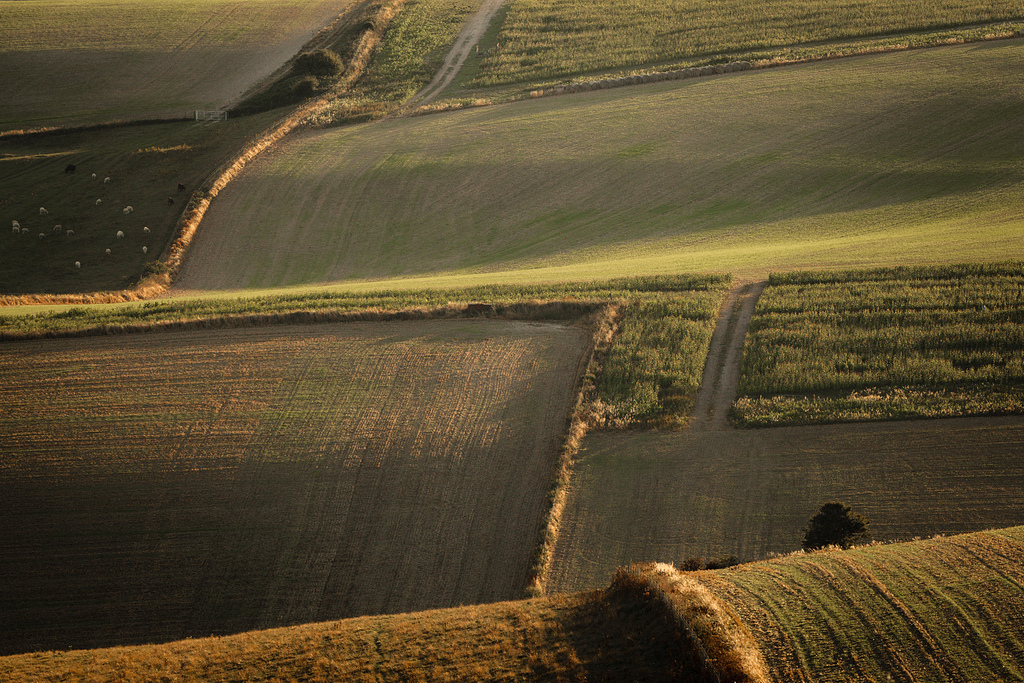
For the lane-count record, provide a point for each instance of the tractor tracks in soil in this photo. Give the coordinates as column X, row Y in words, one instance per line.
column 722, row 369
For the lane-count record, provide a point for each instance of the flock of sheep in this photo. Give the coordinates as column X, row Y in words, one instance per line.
column 58, row 229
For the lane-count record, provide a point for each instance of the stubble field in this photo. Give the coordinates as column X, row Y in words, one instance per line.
column 640, row 497
column 74, row 62
column 169, row 485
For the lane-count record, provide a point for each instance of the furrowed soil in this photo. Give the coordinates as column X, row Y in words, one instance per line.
column 73, row 61
column 169, row 485
column 670, row 496
column 824, row 165
column 947, row 609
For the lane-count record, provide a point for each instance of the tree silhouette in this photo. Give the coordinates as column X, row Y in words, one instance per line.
column 835, row 524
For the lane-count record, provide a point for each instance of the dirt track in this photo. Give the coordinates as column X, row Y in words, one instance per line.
column 470, row 35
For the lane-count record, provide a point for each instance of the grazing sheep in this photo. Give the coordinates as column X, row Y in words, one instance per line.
column 42, row 235
column 181, row 187
column 24, row 231
column 43, row 211
column 120, row 235
column 78, row 264
column 98, row 202
column 145, row 231
column 145, row 250
column 16, row 229
column 56, row 228
column 71, row 233
column 70, row 168
column 127, row 210
column 107, row 179
column 94, row 176
column 170, row 201
column 107, row 252
column 15, row 224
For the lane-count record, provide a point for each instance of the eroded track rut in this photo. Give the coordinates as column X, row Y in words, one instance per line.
column 722, row 370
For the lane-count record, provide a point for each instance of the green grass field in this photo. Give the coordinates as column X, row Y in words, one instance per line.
column 937, row 610
column 144, row 164
column 176, row 484
column 822, row 165
column 90, row 61
column 544, row 39
column 649, row 496
column 889, row 344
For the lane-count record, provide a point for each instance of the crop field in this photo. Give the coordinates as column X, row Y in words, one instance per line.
column 164, row 485
column 896, row 343
column 87, row 61
column 553, row 39
column 144, row 164
column 648, row 496
column 825, row 165
column 946, row 609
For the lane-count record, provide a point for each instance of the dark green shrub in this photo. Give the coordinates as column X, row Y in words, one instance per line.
column 320, row 62
column 835, row 524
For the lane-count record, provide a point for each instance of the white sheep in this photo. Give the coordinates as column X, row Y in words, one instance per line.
column 56, row 228
column 107, row 252
column 120, row 234
column 78, row 264
column 16, row 230
column 42, row 236
column 70, row 233
column 145, row 250
column 107, row 179
column 94, row 176
column 24, row 231
column 15, row 224
column 43, row 211
column 98, row 202
column 145, row 231
column 127, row 210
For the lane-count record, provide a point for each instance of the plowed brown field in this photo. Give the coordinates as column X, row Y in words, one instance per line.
column 181, row 484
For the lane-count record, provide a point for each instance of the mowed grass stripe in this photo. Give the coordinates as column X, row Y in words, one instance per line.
column 942, row 609
column 323, row 472
column 823, row 165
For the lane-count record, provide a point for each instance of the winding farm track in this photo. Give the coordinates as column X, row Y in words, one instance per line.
column 470, row 35
column 722, row 369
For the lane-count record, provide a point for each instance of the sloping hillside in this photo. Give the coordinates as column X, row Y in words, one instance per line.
column 939, row 610
column 824, row 165
column 74, row 61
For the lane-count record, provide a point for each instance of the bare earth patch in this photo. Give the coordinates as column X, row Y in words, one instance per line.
column 168, row 485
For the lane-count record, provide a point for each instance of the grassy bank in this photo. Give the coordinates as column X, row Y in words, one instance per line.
column 885, row 344
column 944, row 609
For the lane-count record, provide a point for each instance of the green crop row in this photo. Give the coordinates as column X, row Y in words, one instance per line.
column 884, row 344
column 544, row 38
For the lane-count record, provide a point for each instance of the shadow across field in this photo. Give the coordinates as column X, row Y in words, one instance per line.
column 668, row 496
column 175, row 485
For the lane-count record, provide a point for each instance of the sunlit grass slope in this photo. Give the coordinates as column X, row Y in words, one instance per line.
column 593, row 636
column 82, row 61
column 558, row 38
column 899, row 158
column 948, row 609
